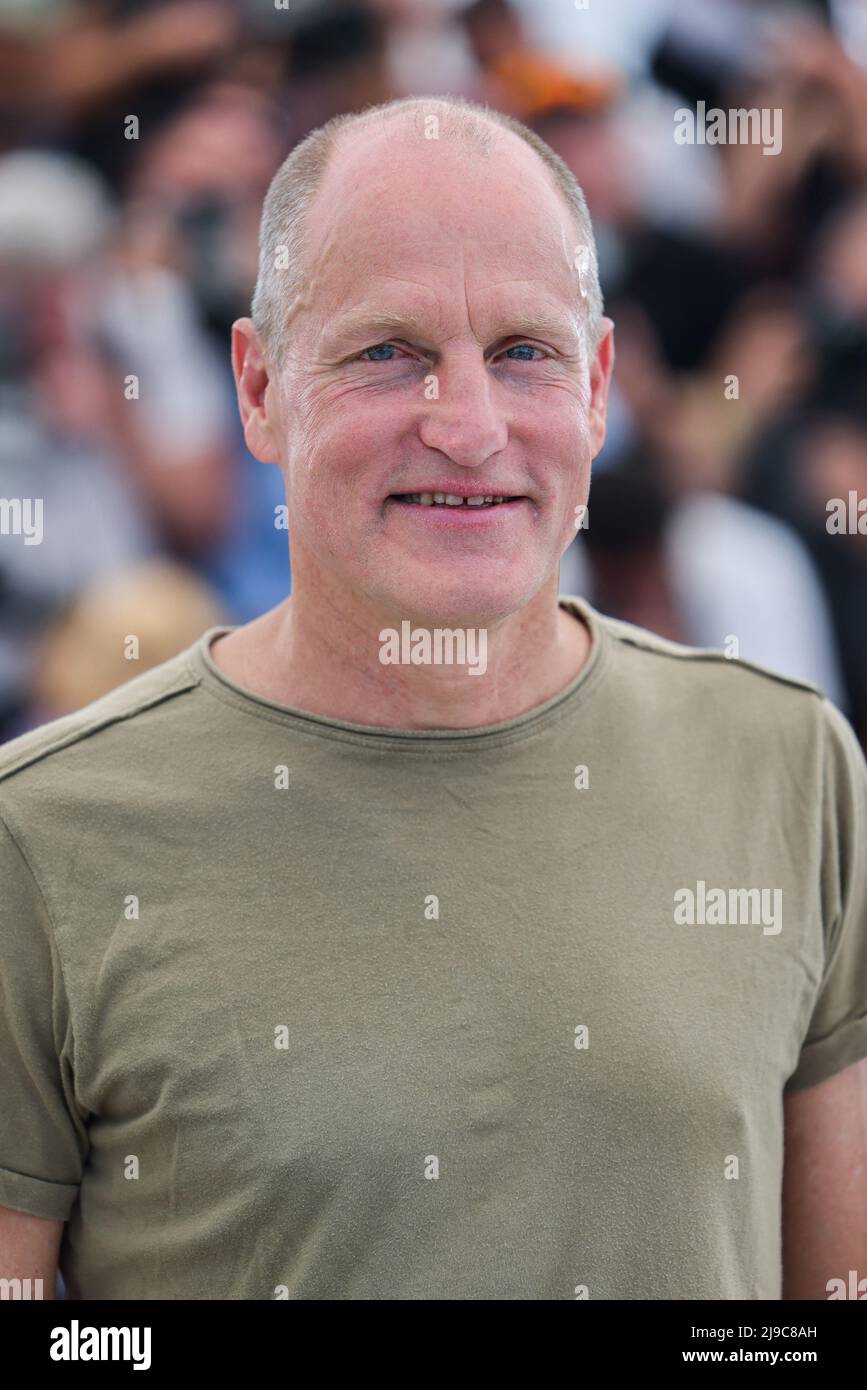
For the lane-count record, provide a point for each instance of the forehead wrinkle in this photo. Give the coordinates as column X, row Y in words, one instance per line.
column 371, row 323
column 373, row 319
column 540, row 314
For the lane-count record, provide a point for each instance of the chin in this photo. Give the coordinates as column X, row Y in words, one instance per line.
column 435, row 599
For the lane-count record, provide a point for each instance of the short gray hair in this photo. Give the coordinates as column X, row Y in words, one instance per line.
column 294, row 186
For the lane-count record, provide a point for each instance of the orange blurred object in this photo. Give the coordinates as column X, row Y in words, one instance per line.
column 537, row 85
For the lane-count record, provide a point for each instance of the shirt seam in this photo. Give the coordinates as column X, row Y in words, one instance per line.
column 830, row 935
column 104, row 721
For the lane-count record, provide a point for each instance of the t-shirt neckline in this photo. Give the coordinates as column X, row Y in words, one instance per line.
column 224, row 687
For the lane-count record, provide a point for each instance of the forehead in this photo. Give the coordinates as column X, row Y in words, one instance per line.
column 438, row 214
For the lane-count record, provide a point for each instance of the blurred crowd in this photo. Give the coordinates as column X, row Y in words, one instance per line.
column 138, row 140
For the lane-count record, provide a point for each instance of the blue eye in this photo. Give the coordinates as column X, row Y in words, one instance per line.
column 522, row 348
column 385, row 352
column 380, row 347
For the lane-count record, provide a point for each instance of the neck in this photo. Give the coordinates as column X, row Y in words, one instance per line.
column 319, row 651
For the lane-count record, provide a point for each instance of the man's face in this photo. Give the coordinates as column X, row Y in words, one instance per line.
column 437, row 349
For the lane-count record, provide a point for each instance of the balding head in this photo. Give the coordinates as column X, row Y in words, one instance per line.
column 284, row 285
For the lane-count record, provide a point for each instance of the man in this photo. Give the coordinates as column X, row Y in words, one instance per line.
column 427, row 937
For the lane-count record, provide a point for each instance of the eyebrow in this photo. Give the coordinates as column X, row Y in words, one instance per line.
column 373, row 325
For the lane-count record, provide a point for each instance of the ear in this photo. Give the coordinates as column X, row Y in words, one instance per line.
column 600, row 378
column 256, row 402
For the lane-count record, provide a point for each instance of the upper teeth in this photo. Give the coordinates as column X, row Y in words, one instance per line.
column 451, row 499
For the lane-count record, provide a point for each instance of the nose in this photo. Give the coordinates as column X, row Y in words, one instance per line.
column 462, row 418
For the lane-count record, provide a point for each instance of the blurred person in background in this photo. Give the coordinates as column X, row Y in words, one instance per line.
column 111, row 403
column 114, row 628
column 702, row 568
column 815, row 448
column 423, row 45
column 190, row 215
column 62, row 421
column 73, row 69
column 517, row 76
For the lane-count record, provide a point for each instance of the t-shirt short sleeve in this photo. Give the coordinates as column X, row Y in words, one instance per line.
column 837, row 1032
column 43, row 1135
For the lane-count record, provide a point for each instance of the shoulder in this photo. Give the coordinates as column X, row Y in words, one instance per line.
column 713, row 661
column 701, row 692
column 699, row 663
column 45, row 751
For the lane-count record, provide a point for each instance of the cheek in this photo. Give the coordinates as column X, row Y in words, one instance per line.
column 341, row 457
column 348, row 438
column 560, row 412
column 558, row 443
column 560, row 456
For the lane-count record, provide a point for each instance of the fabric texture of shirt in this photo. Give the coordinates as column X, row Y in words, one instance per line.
column 293, row 1007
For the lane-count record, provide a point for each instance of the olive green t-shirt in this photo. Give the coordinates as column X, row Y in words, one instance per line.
column 291, row 1007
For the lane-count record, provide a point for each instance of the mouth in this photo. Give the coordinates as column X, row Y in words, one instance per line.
column 456, row 501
